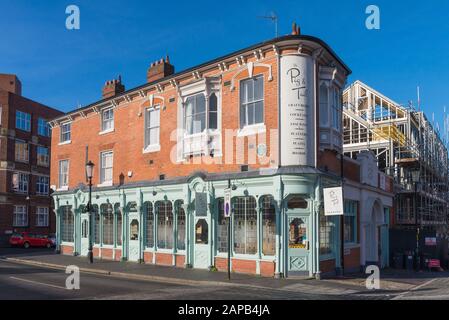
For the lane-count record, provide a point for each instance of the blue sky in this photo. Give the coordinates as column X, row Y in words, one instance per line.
column 64, row 68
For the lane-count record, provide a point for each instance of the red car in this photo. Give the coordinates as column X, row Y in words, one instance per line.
column 26, row 240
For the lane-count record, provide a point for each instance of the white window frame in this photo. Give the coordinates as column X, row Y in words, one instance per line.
column 43, row 185
column 153, row 147
column 22, row 212
column 104, row 182
column 62, row 186
column 43, row 128
column 42, row 214
column 25, row 119
column 47, row 157
column 22, row 183
column 63, row 133
column 324, row 105
column 205, row 112
column 21, row 155
column 255, row 128
column 107, row 121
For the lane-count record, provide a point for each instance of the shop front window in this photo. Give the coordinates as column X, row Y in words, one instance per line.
column 181, row 226
column 222, row 228
column 164, row 225
column 268, row 214
column 245, row 225
column 327, row 227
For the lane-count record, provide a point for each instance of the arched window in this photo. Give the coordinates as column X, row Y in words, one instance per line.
column 181, row 226
column 108, row 223
column 150, row 224
column 164, row 224
column 134, row 230
column 245, row 225
column 268, row 215
column 67, row 225
column 119, row 224
column 201, row 232
column 222, row 227
column 213, row 110
column 324, row 105
column 297, row 202
column 96, row 219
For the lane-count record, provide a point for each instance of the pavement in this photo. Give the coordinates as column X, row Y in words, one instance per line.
column 111, row 275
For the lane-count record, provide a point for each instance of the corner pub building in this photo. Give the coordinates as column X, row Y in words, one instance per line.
column 266, row 119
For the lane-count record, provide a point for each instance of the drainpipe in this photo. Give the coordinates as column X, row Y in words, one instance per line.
column 316, row 218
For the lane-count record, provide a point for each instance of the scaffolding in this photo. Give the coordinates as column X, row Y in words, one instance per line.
column 408, row 148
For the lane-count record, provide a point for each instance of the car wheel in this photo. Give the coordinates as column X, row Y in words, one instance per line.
column 48, row 245
column 26, row 245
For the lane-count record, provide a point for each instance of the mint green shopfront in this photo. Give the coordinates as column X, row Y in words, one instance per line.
column 275, row 224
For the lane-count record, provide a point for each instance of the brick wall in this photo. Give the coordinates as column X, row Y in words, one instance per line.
column 67, row 250
column 8, row 198
column 127, row 139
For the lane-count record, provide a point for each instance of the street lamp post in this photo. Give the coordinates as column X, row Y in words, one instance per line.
column 89, row 173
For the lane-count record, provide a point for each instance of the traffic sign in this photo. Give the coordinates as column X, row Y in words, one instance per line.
column 227, row 202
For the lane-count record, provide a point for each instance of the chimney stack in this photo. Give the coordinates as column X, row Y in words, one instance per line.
column 296, row 30
column 160, row 69
column 113, row 87
column 10, row 83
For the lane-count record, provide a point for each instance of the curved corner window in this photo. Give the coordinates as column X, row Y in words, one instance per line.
column 297, row 202
column 324, row 105
column 201, row 232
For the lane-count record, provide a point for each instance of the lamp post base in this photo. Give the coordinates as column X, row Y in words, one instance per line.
column 90, row 257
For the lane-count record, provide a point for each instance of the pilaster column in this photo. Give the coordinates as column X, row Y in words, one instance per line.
column 277, row 272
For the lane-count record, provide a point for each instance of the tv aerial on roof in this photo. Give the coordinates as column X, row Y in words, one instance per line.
column 273, row 17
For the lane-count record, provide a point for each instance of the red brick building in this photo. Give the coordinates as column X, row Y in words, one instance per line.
column 25, row 203
column 265, row 119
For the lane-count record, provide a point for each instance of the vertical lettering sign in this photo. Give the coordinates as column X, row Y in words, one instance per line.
column 297, row 111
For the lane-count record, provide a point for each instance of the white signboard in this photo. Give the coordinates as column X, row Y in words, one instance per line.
column 227, row 202
column 297, row 111
column 333, row 201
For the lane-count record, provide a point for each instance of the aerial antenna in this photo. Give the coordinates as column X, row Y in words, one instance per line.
column 419, row 100
column 273, row 17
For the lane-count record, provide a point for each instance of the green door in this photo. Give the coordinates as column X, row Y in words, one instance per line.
column 298, row 233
